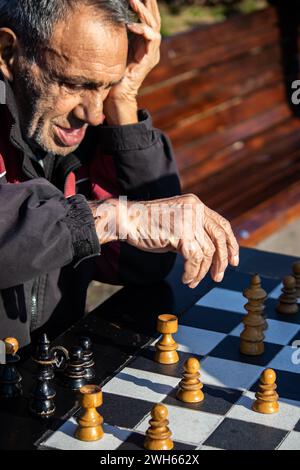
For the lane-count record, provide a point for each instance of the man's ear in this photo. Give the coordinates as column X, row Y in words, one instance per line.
column 8, row 50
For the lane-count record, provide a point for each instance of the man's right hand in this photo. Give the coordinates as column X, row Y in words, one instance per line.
column 181, row 224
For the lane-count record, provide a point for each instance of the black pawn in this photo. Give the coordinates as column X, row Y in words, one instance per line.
column 86, row 345
column 43, row 394
column 74, row 374
column 10, row 378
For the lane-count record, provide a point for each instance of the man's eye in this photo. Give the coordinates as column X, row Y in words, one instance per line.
column 71, row 86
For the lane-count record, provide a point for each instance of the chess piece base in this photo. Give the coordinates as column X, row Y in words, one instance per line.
column 166, row 357
column 190, row 396
column 158, row 444
column 265, row 407
column 252, row 349
column 288, row 309
column 89, row 434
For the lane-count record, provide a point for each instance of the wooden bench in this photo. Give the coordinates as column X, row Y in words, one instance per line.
column 220, row 93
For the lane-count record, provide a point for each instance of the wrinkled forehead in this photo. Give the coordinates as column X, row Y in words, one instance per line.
column 86, row 44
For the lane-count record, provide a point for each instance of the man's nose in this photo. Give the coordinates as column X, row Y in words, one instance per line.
column 90, row 109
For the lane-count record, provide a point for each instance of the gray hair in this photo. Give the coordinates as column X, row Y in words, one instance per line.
column 33, row 21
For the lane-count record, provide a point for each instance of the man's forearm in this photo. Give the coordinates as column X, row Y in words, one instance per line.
column 106, row 217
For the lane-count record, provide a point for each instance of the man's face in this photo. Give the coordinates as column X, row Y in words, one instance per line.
column 63, row 92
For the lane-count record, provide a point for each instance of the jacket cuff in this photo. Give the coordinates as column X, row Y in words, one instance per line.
column 81, row 224
column 130, row 136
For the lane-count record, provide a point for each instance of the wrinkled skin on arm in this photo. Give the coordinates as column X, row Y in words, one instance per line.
column 206, row 242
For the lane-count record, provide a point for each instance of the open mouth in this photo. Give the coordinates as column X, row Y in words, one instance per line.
column 70, row 137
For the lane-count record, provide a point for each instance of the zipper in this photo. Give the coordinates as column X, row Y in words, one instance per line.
column 34, row 304
column 38, row 293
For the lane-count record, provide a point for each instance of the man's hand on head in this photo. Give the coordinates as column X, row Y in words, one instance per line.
column 181, row 224
column 120, row 107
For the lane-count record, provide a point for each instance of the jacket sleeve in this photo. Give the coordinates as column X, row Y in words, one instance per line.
column 41, row 231
column 144, row 169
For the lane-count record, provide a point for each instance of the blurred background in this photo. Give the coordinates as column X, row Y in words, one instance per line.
column 181, row 15
column 223, row 93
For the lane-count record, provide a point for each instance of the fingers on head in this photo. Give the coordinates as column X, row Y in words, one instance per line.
column 149, row 33
column 148, row 13
column 152, row 6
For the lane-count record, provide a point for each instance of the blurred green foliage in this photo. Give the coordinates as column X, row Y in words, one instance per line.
column 179, row 15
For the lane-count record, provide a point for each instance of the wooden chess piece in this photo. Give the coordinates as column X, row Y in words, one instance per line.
column 74, row 373
column 10, row 378
column 256, row 296
column 266, row 398
column 90, row 421
column 43, row 393
column 190, row 387
column 11, row 345
column 252, row 337
column 296, row 274
column 158, row 435
column 166, row 347
column 288, row 299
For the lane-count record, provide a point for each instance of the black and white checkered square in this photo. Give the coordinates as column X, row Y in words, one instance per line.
column 210, row 331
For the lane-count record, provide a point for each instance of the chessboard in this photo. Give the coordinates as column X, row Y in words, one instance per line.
column 210, row 331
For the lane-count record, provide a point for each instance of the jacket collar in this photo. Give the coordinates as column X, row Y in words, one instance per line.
column 16, row 137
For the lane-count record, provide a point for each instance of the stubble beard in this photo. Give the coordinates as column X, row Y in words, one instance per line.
column 35, row 130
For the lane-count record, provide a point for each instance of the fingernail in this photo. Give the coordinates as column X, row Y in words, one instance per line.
column 219, row 277
column 236, row 260
column 193, row 285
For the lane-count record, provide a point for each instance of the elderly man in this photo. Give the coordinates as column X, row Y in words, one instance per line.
column 72, row 140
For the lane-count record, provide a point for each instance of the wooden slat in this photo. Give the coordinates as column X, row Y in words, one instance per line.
column 179, row 100
column 250, row 189
column 209, row 43
column 221, row 140
column 254, row 178
column 269, row 216
column 234, row 112
column 201, row 37
column 224, row 162
column 220, row 54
